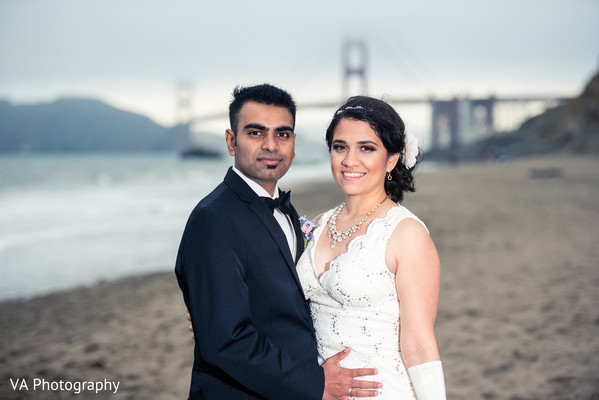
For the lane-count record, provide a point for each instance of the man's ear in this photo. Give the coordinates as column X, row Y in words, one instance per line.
column 293, row 156
column 230, row 138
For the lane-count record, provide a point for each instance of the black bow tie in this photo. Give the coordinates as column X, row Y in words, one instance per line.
column 282, row 203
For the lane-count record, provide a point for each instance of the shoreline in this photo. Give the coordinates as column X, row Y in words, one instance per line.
column 517, row 315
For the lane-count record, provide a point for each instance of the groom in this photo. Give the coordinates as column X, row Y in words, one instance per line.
column 236, row 268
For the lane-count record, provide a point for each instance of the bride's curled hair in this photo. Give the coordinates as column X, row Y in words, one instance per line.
column 390, row 128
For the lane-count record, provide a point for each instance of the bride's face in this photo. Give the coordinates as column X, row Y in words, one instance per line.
column 359, row 160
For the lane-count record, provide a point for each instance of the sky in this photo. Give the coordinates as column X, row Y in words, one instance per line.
column 134, row 53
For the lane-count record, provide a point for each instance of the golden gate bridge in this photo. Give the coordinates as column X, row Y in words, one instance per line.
column 453, row 120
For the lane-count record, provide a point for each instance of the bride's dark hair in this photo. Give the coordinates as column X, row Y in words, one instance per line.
column 390, row 128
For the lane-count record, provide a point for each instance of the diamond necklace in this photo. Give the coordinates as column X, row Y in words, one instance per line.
column 340, row 236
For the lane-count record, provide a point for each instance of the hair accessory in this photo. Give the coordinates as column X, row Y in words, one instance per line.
column 349, row 108
column 410, row 154
column 389, row 177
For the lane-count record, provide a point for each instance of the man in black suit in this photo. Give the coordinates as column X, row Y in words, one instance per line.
column 236, row 268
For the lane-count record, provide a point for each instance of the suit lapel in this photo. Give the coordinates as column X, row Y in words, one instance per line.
column 257, row 206
column 298, row 233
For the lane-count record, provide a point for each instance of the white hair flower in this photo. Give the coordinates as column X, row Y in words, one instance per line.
column 410, row 153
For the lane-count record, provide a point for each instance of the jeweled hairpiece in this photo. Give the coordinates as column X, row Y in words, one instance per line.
column 350, row 108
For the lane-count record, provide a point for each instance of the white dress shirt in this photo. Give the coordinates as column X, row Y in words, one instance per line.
column 283, row 219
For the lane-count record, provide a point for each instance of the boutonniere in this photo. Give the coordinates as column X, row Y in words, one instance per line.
column 307, row 227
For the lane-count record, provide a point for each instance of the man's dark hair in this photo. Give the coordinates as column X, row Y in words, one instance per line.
column 263, row 94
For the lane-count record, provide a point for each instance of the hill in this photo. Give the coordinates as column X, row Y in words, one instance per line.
column 70, row 125
column 571, row 128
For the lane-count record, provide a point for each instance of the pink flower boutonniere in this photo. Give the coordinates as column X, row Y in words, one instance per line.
column 307, row 227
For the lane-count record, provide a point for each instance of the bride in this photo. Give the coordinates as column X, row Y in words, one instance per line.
column 371, row 271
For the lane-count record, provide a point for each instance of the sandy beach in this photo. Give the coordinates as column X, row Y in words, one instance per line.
column 518, row 316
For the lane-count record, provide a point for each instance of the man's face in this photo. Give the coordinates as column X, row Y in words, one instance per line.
column 265, row 143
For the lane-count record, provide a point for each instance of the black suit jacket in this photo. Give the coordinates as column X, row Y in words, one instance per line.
column 253, row 332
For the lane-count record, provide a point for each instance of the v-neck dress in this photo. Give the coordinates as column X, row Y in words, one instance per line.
column 354, row 303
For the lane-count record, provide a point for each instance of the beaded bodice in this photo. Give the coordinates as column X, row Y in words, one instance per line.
column 354, row 303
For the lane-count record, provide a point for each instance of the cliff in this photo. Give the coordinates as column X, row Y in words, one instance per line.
column 571, row 128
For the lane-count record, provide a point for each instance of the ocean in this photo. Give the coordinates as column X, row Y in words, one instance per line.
column 70, row 220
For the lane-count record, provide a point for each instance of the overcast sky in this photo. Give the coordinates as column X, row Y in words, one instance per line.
column 132, row 53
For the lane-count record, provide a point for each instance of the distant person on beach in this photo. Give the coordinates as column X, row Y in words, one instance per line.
column 370, row 271
column 254, row 337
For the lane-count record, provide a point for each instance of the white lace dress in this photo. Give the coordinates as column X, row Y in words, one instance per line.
column 354, row 304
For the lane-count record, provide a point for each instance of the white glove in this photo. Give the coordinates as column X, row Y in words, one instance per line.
column 428, row 381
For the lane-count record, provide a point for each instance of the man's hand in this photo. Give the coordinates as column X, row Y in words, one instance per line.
column 339, row 382
column 190, row 327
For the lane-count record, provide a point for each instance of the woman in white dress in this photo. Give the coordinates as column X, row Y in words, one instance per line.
column 371, row 271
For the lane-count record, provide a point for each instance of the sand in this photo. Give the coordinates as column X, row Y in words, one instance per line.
column 518, row 316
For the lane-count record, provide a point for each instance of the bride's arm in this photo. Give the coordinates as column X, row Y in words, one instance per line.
column 413, row 258
column 417, row 280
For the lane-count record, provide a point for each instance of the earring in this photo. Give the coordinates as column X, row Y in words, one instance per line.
column 389, row 177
